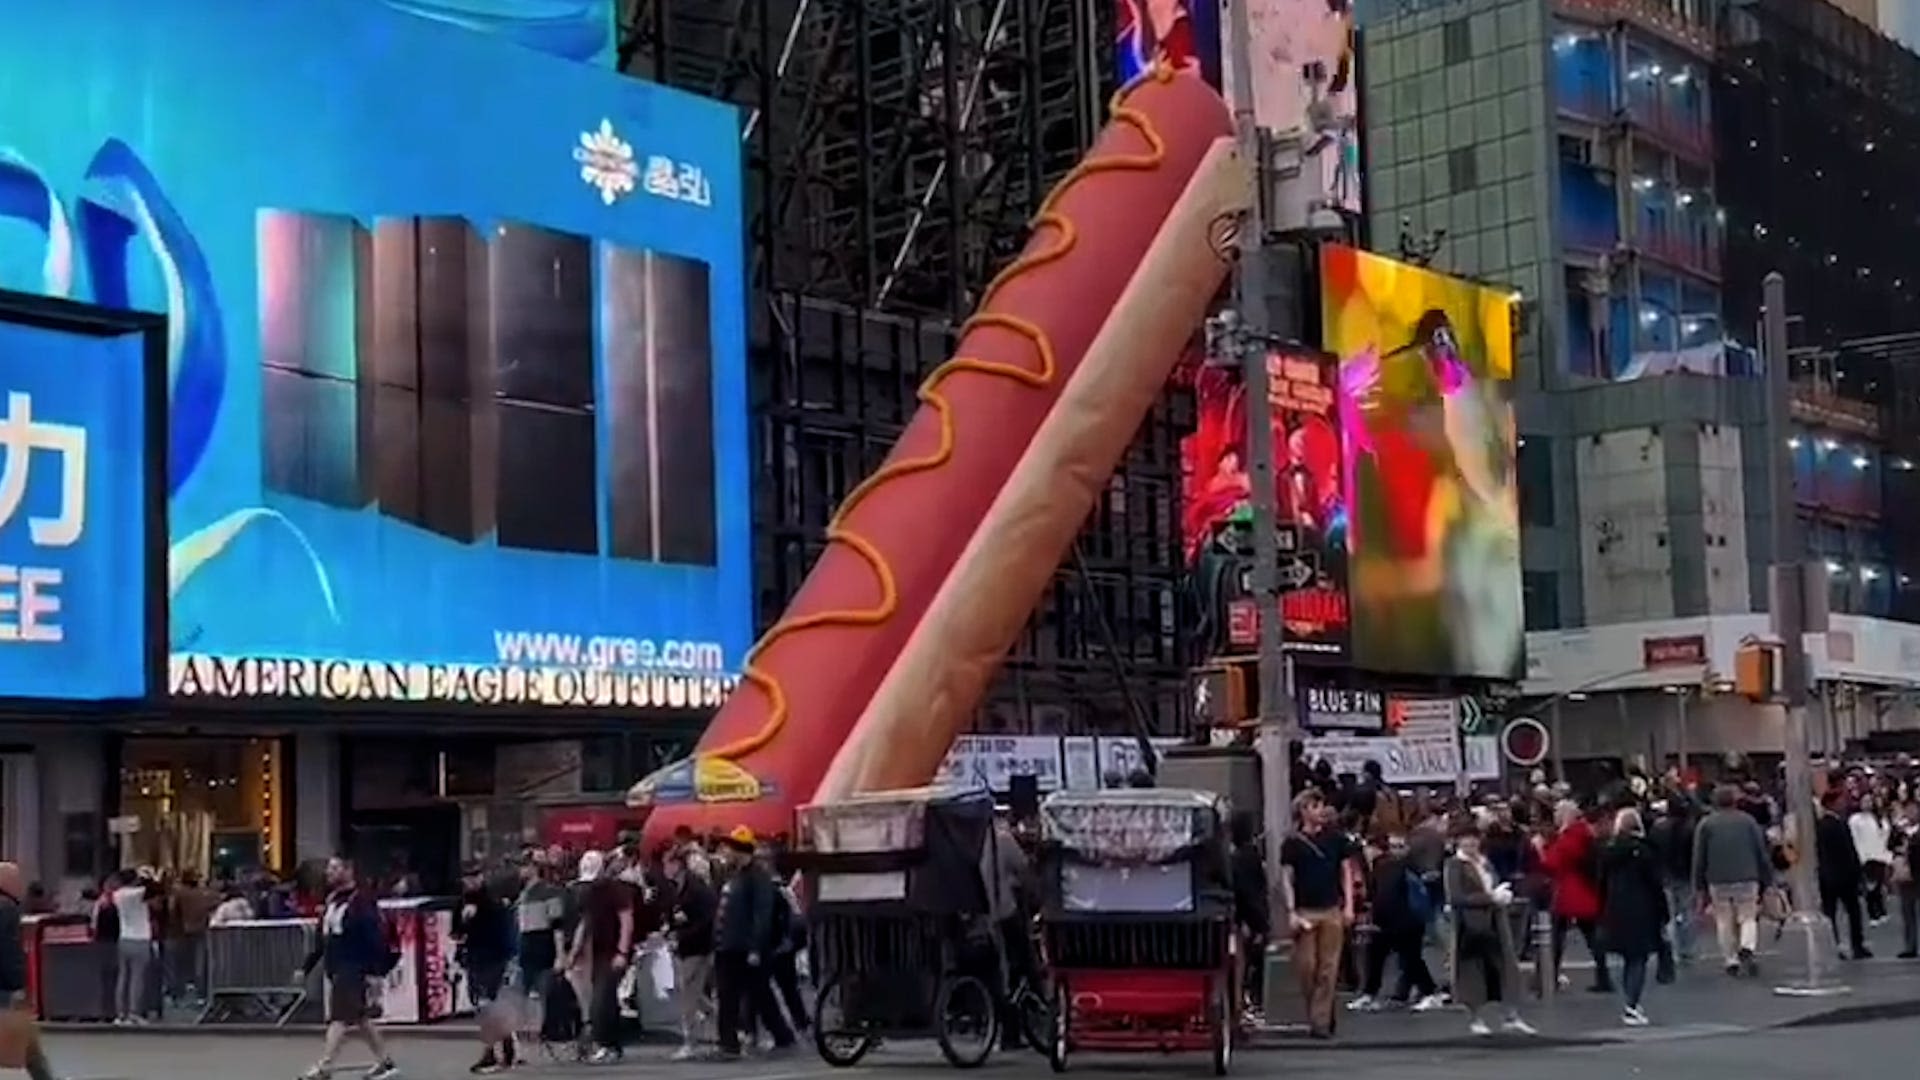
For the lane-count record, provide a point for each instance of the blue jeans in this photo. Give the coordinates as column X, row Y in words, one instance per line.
column 1683, row 902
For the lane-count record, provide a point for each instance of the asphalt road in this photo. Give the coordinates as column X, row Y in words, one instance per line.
column 1805, row 1054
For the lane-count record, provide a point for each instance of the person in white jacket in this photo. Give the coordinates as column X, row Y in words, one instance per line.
column 1872, row 832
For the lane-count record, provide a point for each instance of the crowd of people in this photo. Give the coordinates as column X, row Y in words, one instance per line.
column 1632, row 868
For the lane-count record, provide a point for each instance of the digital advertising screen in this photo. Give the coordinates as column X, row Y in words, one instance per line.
column 584, row 30
column 456, row 390
column 78, row 504
column 1306, row 76
column 1186, row 33
column 1426, row 418
column 1309, row 492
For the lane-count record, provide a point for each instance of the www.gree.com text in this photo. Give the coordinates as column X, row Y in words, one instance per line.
column 550, row 649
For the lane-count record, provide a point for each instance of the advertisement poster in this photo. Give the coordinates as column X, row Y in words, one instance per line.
column 73, row 510
column 400, row 992
column 1186, row 33
column 1408, row 759
column 1304, row 53
column 458, row 396
column 1426, row 417
column 1310, row 492
column 991, row 761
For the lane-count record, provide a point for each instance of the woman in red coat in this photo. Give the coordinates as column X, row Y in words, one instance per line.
column 1571, row 860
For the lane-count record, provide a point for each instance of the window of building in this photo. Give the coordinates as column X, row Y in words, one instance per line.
column 1533, row 464
column 217, row 807
column 1463, row 170
column 1456, row 41
column 1540, row 592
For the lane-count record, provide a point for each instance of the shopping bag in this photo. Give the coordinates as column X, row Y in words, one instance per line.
column 19, row 1034
column 660, row 972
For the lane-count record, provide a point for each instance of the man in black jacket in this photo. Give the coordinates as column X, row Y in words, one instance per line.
column 1401, row 907
column 483, row 931
column 1252, row 911
column 1841, row 874
column 13, row 962
column 743, row 949
column 691, row 924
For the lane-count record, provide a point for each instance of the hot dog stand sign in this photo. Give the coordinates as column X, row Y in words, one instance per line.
column 702, row 779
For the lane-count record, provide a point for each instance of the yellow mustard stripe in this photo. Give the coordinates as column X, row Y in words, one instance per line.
column 930, row 395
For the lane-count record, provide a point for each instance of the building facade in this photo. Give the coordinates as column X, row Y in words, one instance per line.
column 1655, row 159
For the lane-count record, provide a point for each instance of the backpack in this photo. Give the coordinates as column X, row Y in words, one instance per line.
column 1419, row 898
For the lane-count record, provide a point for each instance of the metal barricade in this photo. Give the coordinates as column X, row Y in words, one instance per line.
column 252, row 972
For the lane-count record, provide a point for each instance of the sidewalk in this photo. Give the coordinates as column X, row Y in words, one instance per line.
column 1703, row 1001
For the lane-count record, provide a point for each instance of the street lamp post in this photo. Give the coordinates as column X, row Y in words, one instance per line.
column 1812, row 943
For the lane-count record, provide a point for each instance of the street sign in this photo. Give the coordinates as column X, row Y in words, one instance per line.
column 1472, row 716
column 1525, row 742
column 1299, row 571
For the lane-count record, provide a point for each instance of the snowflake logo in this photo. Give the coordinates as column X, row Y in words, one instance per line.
column 606, row 162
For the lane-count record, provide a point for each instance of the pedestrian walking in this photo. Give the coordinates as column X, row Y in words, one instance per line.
column 1571, row 860
column 1317, row 878
column 1872, row 833
column 1842, row 875
column 17, row 1027
column 1633, row 908
column 1401, row 908
column 132, row 902
column 1672, row 836
column 602, row 949
column 690, row 924
column 1904, row 877
column 354, row 953
column 743, row 949
column 1252, row 916
column 483, row 932
column 1485, row 964
column 1733, row 865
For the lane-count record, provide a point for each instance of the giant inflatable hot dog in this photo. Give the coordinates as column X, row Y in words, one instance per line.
column 937, row 559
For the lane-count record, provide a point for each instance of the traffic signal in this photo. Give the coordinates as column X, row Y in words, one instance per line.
column 1221, row 696
column 1756, row 670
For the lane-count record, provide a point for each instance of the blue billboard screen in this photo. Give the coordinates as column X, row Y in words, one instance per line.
column 584, row 30
column 456, row 351
column 72, row 514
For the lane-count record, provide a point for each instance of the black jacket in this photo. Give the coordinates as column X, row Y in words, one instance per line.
column 13, row 955
column 1840, row 869
column 694, row 909
column 1250, row 887
column 1672, row 837
column 484, row 928
column 1633, row 897
column 746, row 912
column 1390, row 886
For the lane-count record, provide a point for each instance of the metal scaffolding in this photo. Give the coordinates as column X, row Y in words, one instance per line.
column 895, row 150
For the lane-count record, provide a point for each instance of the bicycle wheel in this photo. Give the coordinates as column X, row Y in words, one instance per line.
column 1056, row 1043
column 966, row 1023
column 840, row 1044
column 1036, row 1017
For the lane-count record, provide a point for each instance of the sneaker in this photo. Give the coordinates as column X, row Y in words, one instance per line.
column 486, row 1066
column 1634, row 1017
column 1565, row 982
column 685, row 1053
column 1749, row 966
column 1908, row 954
column 316, row 1073
column 1733, row 969
column 1479, row 1027
column 1430, row 1003
column 386, row 1070
column 603, row 1056
column 1363, row 1003
column 1516, row 1026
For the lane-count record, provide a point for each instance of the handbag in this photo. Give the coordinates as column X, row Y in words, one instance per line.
column 1665, row 970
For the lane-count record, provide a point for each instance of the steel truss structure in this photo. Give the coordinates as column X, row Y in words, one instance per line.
column 895, row 151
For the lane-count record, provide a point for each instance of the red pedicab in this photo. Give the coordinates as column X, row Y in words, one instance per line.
column 1138, row 923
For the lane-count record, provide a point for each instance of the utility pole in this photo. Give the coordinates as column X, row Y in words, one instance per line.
column 1810, row 946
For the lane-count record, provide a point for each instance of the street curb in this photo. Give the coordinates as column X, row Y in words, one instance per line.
column 1844, row 1015
column 454, row 1032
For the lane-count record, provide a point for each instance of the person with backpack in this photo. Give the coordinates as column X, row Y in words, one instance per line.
column 1402, row 907
column 355, row 951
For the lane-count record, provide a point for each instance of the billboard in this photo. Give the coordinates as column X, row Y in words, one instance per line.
column 1185, row 32
column 1304, row 51
column 457, row 403
column 584, row 30
column 80, row 503
column 1426, row 419
column 1309, row 492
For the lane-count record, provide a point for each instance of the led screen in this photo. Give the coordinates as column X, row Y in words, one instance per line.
column 1425, row 382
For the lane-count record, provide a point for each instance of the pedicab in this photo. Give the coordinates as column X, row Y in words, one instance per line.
column 1137, row 923
column 898, row 913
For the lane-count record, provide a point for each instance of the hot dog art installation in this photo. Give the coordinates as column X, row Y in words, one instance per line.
column 935, row 562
